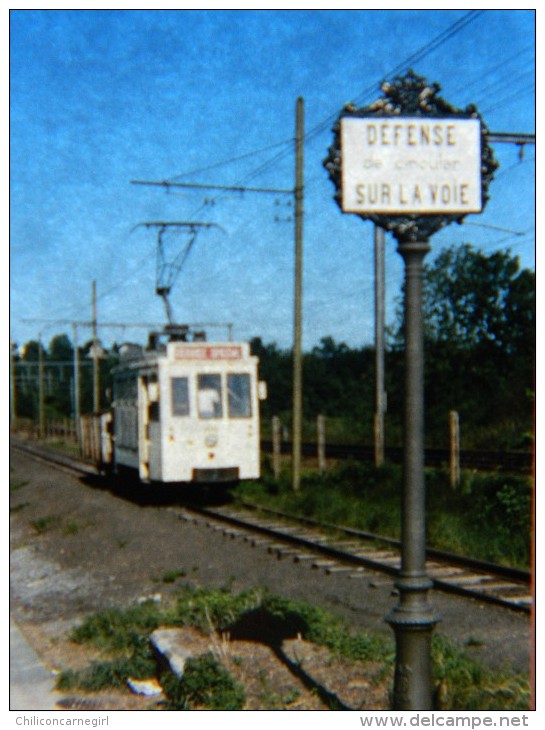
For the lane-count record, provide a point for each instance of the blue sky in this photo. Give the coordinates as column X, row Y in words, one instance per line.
column 99, row 98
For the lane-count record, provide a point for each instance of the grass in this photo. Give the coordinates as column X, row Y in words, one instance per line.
column 16, row 484
column 103, row 675
column 52, row 522
column 171, row 576
column 44, row 524
column 205, row 683
column 72, row 527
column 270, row 698
column 18, row 507
column 466, row 685
column 123, row 636
column 488, row 517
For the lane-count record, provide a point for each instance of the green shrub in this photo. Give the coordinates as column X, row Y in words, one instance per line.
column 467, row 685
column 212, row 608
column 319, row 626
column 205, row 683
column 120, row 630
column 114, row 673
column 487, row 517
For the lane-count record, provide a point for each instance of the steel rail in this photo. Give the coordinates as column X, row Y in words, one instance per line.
column 504, row 571
column 69, row 463
column 486, row 571
column 515, row 461
column 316, row 542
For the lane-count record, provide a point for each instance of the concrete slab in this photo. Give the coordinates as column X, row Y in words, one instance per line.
column 31, row 684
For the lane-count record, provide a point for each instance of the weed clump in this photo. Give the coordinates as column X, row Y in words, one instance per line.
column 319, row 626
column 467, row 685
column 205, row 684
column 117, row 630
column 113, row 673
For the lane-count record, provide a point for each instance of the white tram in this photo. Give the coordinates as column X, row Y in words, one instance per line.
column 188, row 412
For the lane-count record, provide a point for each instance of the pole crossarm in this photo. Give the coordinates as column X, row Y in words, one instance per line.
column 511, row 137
column 177, row 224
column 123, row 325
column 204, row 186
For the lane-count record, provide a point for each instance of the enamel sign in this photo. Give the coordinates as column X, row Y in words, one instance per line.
column 411, row 165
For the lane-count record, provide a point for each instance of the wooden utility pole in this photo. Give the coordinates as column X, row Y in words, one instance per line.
column 76, row 380
column 41, row 389
column 298, row 301
column 96, row 361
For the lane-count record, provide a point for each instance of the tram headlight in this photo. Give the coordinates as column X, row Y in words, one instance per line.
column 211, row 440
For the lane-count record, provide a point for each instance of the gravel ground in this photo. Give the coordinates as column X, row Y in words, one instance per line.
column 76, row 547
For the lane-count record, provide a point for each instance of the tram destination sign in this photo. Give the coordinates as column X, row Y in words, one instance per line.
column 411, row 165
column 207, row 352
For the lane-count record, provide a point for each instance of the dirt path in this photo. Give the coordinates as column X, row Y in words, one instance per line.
column 76, row 547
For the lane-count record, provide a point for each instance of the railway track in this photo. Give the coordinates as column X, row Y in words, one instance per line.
column 339, row 550
column 359, row 554
column 519, row 462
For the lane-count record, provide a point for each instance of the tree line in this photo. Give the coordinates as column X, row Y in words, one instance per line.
column 479, row 330
column 479, row 333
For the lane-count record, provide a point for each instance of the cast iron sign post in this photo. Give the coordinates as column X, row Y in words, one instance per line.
column 411, row 163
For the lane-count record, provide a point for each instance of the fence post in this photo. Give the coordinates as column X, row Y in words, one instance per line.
column 320, row 429
column 41, row 393
column 276, row 429
column 13, row 383
column 454, row 428
column 379, row 438
column 82, row 435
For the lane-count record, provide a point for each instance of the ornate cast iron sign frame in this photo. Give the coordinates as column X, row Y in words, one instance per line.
column 424, row 121
column 406, row 98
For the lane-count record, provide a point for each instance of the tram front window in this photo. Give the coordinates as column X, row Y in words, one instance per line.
column 180, row 397
column 209, row 396
column 240, row 405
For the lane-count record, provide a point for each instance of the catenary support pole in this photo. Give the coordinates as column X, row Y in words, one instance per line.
column 96, row 361
column 298, row 301
column 76, row 382
column 413, row 619
column 41, row 389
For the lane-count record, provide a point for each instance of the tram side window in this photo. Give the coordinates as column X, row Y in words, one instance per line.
column 154, row 412
column 119, row 389
column 209, row 396
column 238, row 387
column 125, row 388
column 180, row 396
